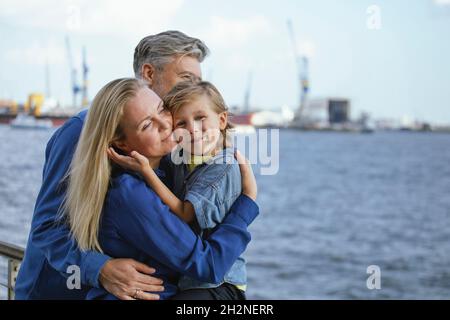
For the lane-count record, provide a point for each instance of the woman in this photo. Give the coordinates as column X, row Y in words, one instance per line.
column 115, row 212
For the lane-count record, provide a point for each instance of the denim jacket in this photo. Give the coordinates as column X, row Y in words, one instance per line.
column 211, row 188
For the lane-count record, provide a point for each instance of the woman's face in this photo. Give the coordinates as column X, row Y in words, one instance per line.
column 147, row 126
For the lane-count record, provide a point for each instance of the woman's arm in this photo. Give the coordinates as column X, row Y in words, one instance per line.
column 155, row 231
column 144, row 221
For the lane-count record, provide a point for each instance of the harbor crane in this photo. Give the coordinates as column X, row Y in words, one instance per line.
column 76, row 88
column 302, row 69
column 246, row 108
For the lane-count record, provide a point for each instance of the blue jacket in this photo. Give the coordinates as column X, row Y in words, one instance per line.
column 50, row 250
column 136, row 224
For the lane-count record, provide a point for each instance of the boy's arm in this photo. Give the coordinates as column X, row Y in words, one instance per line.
column 183, row 209
column 212, row 195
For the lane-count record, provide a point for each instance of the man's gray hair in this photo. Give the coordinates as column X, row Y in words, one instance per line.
column 161, row 48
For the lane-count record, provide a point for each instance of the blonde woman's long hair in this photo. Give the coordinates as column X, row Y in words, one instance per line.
column 90, row 170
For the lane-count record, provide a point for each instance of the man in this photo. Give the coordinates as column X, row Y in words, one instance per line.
column 52, row 255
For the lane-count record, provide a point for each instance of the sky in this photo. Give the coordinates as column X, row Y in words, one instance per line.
column 390, row 58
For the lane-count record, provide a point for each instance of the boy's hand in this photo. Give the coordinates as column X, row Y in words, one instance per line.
column 249, row 186
column 136, row 162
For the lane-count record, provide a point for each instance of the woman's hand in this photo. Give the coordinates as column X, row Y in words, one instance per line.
column 249, row 187
column 136, row 162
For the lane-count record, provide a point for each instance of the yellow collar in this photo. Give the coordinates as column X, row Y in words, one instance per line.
column 197, row 160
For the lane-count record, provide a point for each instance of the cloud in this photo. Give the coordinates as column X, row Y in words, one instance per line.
column 442, row 2
column 223, row 32
column 37, row 54
column 232, row 37
column 131, row 17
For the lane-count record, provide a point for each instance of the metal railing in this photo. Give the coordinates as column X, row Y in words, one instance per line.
column 14, row 256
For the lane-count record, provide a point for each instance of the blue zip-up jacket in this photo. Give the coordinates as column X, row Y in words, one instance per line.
column 50, row 250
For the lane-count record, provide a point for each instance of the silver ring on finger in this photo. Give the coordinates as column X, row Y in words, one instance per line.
column 136, row 294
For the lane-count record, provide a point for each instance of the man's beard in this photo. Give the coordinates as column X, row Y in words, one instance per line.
column 159, row 88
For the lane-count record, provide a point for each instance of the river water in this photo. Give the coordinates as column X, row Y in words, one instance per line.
column 339, row 203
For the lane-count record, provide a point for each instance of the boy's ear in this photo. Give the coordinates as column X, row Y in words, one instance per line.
column 148, row 73
column 223, row 118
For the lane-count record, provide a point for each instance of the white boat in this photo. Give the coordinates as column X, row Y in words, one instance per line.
column 29, row 122
column 244, row 129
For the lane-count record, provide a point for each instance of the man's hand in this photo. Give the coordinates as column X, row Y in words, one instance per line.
column 128, row 279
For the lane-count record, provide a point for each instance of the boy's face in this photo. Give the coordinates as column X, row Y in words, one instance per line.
column 199, row 126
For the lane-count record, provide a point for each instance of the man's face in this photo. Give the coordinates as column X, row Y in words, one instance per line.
column 180, row 69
